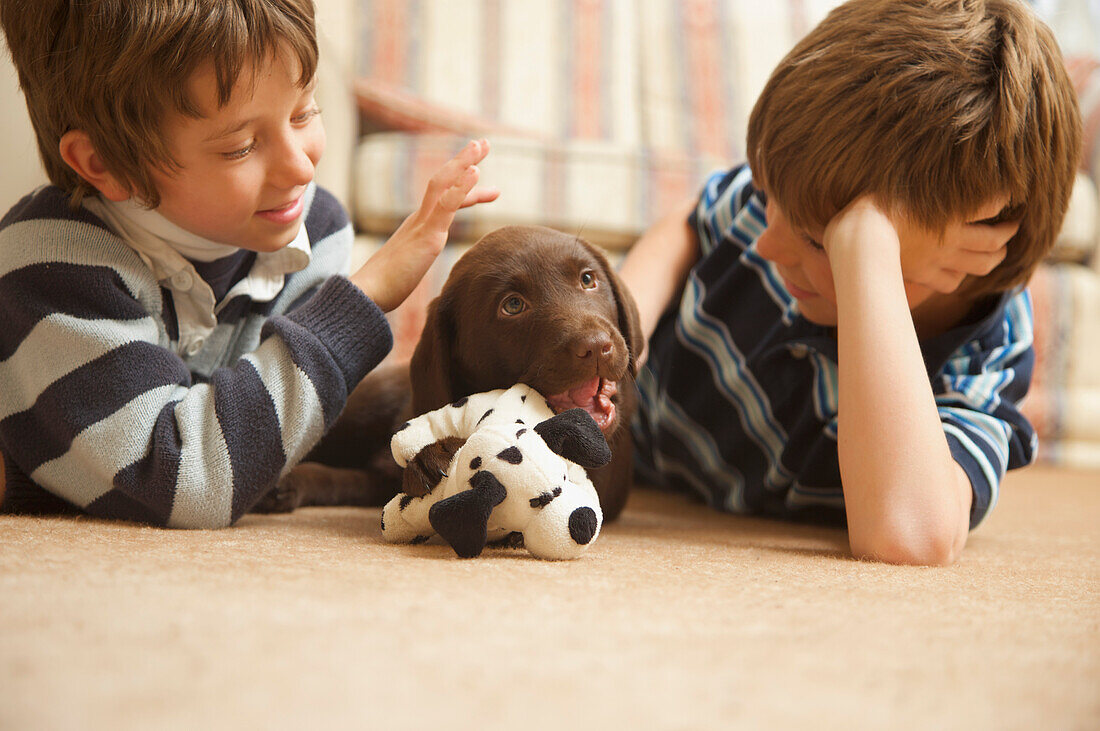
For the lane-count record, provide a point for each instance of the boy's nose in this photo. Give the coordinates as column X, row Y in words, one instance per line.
column 772, row 246
column 297, row 167
column 295, row 164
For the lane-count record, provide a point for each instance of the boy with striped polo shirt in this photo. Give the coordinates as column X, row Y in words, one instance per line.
column 178, row 332
column 849, row 332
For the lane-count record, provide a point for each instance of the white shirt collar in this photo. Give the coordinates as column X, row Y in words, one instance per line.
column 165, row 248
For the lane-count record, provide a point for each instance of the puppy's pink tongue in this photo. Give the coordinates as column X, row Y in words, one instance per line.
column 580, row 396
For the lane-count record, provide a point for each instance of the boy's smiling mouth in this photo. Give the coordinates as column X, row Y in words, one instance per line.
column 797, row 292
column 287, row 213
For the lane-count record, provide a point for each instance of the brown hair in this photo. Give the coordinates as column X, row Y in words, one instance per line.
column 114, row 68
column 932, row 106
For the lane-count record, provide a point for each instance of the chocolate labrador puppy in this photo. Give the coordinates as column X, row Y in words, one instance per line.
column 525, row 305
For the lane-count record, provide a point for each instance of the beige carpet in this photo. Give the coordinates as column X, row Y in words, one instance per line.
column 677, row 618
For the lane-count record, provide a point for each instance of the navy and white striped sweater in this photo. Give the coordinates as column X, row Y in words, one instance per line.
column 99, row 408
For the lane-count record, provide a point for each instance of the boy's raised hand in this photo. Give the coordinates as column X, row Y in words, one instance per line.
column 392, row 273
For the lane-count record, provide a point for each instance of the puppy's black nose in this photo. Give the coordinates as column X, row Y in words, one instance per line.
column 600, row 343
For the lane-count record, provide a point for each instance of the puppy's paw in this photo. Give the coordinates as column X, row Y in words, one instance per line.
column 510, row 540
column 284, row 498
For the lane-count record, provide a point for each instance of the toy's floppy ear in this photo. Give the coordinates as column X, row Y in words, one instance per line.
column 463, row 519
column 573, row 434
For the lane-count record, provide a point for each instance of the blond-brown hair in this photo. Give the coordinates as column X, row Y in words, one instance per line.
column 115, row 68
column 934, row 107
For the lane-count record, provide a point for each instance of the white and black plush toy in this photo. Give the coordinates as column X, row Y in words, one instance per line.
column 521, row 470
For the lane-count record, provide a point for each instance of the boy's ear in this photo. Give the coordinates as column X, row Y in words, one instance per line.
column 78, row 152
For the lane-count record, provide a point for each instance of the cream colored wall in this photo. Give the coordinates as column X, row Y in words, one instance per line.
column 336, row 33
column 21, row 171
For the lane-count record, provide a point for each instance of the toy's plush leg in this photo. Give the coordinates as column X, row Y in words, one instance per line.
column 405, row 519
column 463, row 518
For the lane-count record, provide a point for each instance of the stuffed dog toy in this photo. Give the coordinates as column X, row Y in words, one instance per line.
column 520, row 470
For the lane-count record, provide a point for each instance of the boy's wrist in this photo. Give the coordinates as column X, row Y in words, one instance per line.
column 862, row 229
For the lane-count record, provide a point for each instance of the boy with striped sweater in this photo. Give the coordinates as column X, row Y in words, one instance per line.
column 849, row 332
column 178, row 329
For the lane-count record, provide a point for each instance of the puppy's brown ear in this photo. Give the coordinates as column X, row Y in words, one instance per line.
column 630, row 323
column 429, row 368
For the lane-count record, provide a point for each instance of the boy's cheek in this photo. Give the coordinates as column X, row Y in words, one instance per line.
column 917, row 294
column 820, row 312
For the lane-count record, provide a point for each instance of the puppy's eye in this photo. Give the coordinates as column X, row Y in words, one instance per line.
column 513, row 305
column 588, row 279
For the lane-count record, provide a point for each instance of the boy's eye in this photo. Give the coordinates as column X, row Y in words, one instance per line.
column 241, row 153
column 814, row 244
column 513, row 305
column 588, row 280
column 306, row 115
column 1008, row 213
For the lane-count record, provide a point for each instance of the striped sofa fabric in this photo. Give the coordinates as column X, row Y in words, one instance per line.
column 603, row 113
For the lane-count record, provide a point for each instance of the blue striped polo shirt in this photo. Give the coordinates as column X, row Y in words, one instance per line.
column 738, row 398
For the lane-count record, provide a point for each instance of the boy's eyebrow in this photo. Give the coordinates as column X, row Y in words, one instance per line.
column 230, row 129
column 233, row 128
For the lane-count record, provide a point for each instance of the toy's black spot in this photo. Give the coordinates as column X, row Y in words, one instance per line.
column 512, row 455
column 419, row 539
column 382, row 521
column 520, row 433
column 523, row 399
column 545, row 498
column 406, row 425
column 519, row 421
column 405, row 500
column 484, row 415
column 475, row 463
column 582, row 525
column 460, row 403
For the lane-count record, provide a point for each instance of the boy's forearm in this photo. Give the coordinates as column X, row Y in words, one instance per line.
column 658, row 263
column 907, row 500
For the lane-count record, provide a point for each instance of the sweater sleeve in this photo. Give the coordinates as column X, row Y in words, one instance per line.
column 94, row 408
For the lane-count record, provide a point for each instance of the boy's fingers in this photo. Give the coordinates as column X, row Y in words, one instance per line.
column 469, row 156
column 988, row 238
column 480, row 195
column 978, row 263
column 440, row 215
column 453, row 171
